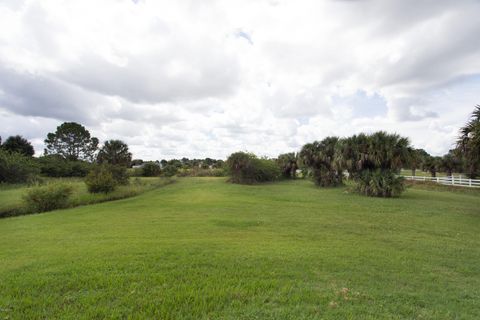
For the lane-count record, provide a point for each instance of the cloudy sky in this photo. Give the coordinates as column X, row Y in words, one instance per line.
column 206, row 78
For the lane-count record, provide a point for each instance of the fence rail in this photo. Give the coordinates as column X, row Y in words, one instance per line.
column 453, row 181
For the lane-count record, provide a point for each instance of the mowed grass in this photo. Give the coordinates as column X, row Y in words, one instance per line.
column 205, row 249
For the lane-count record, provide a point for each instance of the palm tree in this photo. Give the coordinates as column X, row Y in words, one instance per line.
column 469, row 143
column 374, row 162
column 320, row 158
column 432, row 165
column 450, row 162
column 287, row 163
column 115, row 152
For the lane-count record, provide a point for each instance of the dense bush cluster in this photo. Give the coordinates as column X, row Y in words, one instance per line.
column 248, row 169
column 100, row 180
column 150, row 169
column 16, row 168
column 49, row 197
column 57, row 166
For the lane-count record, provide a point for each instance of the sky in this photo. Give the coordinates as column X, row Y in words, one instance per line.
column 206, row 78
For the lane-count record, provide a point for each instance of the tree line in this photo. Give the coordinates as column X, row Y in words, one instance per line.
column 373, row 160
column 71, row 151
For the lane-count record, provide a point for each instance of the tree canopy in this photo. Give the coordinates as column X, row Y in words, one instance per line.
column 18, row 144
column 288, row 164
column 320, row 158
column 71, row 141
column 469, row 143
column 115, row 152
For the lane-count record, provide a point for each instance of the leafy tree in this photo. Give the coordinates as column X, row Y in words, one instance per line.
column 136, row 162
column 469, row 143
column 321, row 159
column 56, row 166
column 170, row 170
column 18, row 144
column 16, row 168
column 150, row 169
column 71, row 141
column 287, row 163
column 219, row 164
column 176, row 163
column 115, row 152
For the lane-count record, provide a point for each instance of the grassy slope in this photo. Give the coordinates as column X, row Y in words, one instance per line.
column 11, row 195
column 202, row 248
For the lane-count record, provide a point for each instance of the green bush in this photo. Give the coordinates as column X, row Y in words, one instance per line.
column 100, row 180
column 48, row 197
column 119, row 174
column 247, row 168
column 150, row 169
column 57, row 166
column 16, row 168
column 380, row 183
column 169, row 170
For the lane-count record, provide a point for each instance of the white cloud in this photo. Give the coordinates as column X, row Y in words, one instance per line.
column 197, row 79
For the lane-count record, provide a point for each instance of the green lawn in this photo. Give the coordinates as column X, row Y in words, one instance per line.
column 205, row 249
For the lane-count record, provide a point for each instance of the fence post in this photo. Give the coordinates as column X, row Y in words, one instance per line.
column 424, row 178
column 470, row 182
column 453, row 180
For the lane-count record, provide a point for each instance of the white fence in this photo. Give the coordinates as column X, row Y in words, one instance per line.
column 453, row 181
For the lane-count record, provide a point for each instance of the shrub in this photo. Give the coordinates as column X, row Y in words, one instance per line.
column 57, row 166
column 16, row 168
column 247, row 168
column 48, row 197
column 169, row 170
column 380, row 183
column 119, row 174
column 100, row 180
column 150, row 169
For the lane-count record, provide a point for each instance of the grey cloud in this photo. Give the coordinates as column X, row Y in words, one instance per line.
column 410, row 109
column 42, row 96
column 152, row 78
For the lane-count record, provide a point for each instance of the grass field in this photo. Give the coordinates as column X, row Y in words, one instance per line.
column 205, row 249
